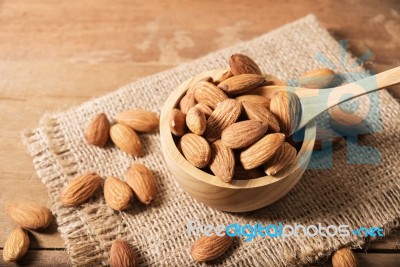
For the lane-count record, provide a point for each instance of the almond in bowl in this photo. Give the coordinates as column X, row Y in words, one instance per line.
column 240, row 132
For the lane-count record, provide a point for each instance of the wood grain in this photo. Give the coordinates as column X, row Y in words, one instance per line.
column 54, row 54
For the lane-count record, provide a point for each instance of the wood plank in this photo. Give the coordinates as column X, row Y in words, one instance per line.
column 39, row 258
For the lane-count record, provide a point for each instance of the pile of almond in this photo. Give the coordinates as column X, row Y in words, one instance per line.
column 223, row 127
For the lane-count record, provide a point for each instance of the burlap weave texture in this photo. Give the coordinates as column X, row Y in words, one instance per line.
column 357, row 195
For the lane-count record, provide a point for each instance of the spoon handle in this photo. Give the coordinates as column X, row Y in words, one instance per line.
column 327, row 98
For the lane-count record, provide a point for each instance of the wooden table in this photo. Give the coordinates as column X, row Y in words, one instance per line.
column 56, row 54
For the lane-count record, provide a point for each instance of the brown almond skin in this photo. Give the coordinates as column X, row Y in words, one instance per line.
column 282, row 159
column 324, row 136
column 209, row 94
column 195, row 149
column 126, row 139
column 188, row 101
column 117, row 193
column 226, row 75
column 242, row 64
column 80, row 189
column 97, row 131
column 344, row 257
column 261, row 151
column 122, row 255
column 16, row 245
column 196, row 121
column 347, row 123
column 255, row 111
column 226, row 113
column 317, row 79
column 29, row 216
column 204, row 108
column 140, row 120
column 242, row 83
column 177, row 122
column 208, row 248
column 257, row 99
column 142, row 182
column 222, row 162
column 286, row 108
column 243, row 133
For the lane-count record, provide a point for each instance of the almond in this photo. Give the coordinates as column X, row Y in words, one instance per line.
column 98, row 130
column 195, row 149
column 241, row 64
column 283, row 158
column 227, row 74
column 142, row 182
column 286, row 107
column 347, row 123
column 255, row 111
column 204, row 108
column 209, row 94
column 188, row 101
column 241, row 83
column 117, row 193
column 122, row 255
column 208, row 248
column 196, row 121
column 29, row 216
column 344, row 257
column 261, row 151
column 226, row 113
column 177, row 122
column 16, row 245
column 257, row 99
column 317, row 79
column 222, row 161
column 138, row 119
column 244, row 133
column 126, row 139
column 272, row 80
column 80, row 189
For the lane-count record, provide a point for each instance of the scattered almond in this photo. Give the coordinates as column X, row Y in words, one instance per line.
column 209, row 94
column 196, row 121
column 286, row 107
column 344, row 257
column 226, row 113
column 209, row 248
column 177, row 123
column 261, row 151
column 317, row 79
column 29, row 216
column 117, row 193
column 255, row 111
column 244, row 133
column 16, row 245
column 80, row 189
column 122, row 255
column 241, row 83
column 257, row 99
column 142, row 182
column 195, row 149
column 126, row 139
column 204, row 108
column 222, row 161
column 242, row 64
column 324, row 136
column 283, row 158
column 98, row 130
column 138, row 119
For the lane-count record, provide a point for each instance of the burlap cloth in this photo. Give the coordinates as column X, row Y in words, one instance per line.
column 357, row 195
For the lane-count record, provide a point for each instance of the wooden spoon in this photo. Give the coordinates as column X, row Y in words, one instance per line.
column 303, row 104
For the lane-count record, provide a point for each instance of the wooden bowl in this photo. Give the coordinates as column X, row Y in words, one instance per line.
column 239, row 195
